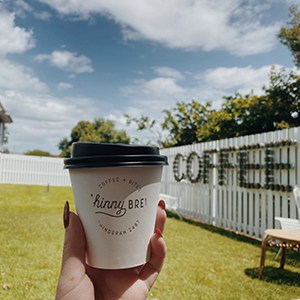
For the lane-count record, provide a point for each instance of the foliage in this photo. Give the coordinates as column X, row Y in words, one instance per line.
column 219, row 125
column 250, row 114
column 180, row 124
column 183, row 121
column 142, row 123
column 202, row 262
column 239, row 115
column 145, row 123
column 284, row 93
column 38, row 152
column 290, row 35
column 99, row 131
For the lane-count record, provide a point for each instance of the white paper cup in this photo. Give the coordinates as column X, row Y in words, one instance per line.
column 116, row 197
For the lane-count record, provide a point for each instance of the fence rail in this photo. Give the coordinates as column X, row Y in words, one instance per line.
column 241, row 183
column 37, row 170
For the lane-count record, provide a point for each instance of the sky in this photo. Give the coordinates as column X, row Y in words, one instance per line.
column 63, row 61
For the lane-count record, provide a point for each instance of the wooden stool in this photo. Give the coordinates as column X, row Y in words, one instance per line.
column 286, row 238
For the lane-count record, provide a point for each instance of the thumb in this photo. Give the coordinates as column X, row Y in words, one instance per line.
column 73, row 259
column 74, row 244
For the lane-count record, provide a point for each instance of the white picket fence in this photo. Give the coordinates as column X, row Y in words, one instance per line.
column 36, row 170
column 240, row 184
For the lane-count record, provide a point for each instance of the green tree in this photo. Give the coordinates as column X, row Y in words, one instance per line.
column 179, row 126
column 249, row 114
column 290, row 35
column 38, row 152
column 183, row 121
column 99, row 131
column 242, row 115
column 284, row 95
column 144, row 123
column 218, row 125
column 239, row 115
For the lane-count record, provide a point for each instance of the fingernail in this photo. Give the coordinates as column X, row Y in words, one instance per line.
column 158, row 232
column 162, row 204
column 66, row 215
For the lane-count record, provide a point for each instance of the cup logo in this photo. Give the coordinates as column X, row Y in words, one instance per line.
column 117, row 208
column 110, row 208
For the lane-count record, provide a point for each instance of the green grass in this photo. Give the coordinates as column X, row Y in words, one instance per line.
column 203, row 262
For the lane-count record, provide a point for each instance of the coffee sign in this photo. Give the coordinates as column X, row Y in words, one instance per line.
column 263, row 168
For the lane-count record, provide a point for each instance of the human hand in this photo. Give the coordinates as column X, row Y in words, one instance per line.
column 79, row 281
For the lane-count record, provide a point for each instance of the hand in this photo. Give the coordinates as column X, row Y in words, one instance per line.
column 79, row 281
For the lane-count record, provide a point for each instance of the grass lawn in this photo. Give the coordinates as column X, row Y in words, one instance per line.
column 202, row 262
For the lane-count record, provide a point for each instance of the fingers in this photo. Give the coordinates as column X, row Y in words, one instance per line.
column 74, row 245
column 158, row 251
column 73, row 260
column 161, row 216
column 153, row 267
column 158, row 246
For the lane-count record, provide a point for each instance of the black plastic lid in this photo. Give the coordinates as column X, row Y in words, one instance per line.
column 92, row 155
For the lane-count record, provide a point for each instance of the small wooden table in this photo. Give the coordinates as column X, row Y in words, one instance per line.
column 278, row 237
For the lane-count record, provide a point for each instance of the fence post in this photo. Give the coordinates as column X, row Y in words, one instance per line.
column 1, row 168
column 214, row 190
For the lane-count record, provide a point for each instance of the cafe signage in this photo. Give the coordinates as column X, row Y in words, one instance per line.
column 252, row 171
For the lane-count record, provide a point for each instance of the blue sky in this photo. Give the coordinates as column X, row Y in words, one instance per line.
column 62, row 61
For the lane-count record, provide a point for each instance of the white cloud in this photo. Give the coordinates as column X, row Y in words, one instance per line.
column 42, row 15
column 169, row 72
column 235, row 77
column 67, row 61
column 17, row 77
column 233, row 25
column 19, row 7
column 13, row 39
column 40, row 121
column 64, row 86
column 161, row 86
column 150, row 97
column 240, row 79
column 22, row 8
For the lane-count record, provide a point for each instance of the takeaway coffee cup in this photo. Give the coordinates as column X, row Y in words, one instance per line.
column 116, row 190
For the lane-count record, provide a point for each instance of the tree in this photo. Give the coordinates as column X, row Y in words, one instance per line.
column 183, row 121
column 145, row 123
column 250, row 114
column 180, row 123
column 38, row 152
column 99, row 131
column 290, row 35
column 218, row 125
column 284, row 94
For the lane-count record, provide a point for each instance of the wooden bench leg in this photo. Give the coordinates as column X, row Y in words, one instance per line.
column 282, row 261
column 263, row 256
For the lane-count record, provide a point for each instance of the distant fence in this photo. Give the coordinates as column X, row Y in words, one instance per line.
column 240, row 183
column 37, row 170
